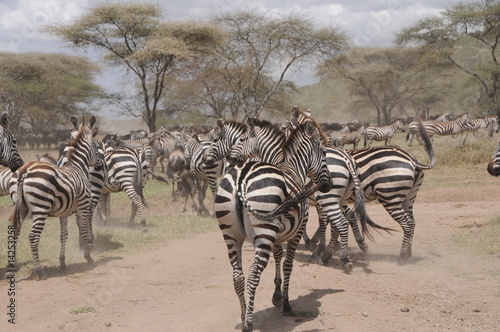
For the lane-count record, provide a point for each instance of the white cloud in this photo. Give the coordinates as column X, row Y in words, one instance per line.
column 21, row 26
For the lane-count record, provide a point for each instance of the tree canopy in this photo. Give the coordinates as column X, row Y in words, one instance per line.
column 44, row 89
column 442, row 34
column 383, row 78
column 135, row 35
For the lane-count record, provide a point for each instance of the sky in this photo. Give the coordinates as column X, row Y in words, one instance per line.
column 367, row 22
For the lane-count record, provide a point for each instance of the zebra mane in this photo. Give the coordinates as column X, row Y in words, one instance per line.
column 75, row 141
column 307, row 115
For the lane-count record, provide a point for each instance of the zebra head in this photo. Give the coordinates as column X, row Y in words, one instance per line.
column 226, row 134
column 400, row 125
column 9, row 155
column 83, row 149
column 313, row 151
column 246, row 146
column 218, row 148
column 494, row 163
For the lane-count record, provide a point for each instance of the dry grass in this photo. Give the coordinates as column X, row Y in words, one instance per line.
column 455, row 162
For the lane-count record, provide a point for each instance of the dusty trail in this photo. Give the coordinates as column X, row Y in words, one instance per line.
column 186, row 285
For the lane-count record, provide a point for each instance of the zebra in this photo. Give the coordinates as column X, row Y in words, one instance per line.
column 226, row 136
column 164, row 145
column 485, row 123
column 44, row 190
column 392, row 176
column 352, row 137
column 383, row 133
column 46, row 158
column 9, row 155
column 5, row 176
column 336, row 134
column 457, row 126
column 340, row 165
column 203, row 175
column 494, row 163
column 125, row 169
column 269, row 207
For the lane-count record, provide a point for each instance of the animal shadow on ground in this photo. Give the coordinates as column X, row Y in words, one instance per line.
column 358, row 259
column 76, row 268
column 306, row 308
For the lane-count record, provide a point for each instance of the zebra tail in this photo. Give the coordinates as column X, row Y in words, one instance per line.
column 138, row 182
column 428, row 146
column 360, row 208
column 290, row 203
column 408, row 136
column 20, row 209
column 157, row 177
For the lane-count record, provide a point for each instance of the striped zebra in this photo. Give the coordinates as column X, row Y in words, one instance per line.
column 383, row 133
column 457, row 126
column 125, row 169
column 9, row 155
column 229, row 132
column 352, row 137
column 483, row 123
column 203, row 175
column 266, row 140
column 494, row 162
column 336, row 134
column 392, row 176
column 5, row 176
column 164, row 145
column 269, row 207
column 42, row 190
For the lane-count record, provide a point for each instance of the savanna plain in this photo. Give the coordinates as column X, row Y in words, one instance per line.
column 174, row 274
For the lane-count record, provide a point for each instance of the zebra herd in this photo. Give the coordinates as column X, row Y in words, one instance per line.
column 269, row 176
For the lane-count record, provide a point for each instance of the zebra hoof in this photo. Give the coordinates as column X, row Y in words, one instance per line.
column 348, row 268
column 41, row 275
column 325, row 258
column 277, row 299
column 247, row 327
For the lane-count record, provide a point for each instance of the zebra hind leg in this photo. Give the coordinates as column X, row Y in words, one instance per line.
column 278, row 294
column 64, row 237
column 360, row 240
column 34, row 239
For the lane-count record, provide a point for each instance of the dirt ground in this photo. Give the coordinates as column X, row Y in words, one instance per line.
column 186, row 285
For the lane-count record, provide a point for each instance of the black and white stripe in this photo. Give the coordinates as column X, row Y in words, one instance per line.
column 352, row 137
column 203, row 175
column 494, row 162
column 269, row 207
column 457, row 126
column 9, row 155
column 42, row 190
column 383, row 133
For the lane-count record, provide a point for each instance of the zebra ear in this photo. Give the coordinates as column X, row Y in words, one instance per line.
column 4, row 120
column 92, row 122
column 251, row 123
column 95, row 131
column 295, row 113
column 220, row 123
column 310, row 128
column 74, row 122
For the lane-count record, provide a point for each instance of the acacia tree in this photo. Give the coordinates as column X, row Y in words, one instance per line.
column 478, row 21
column 45, row 89
column 134, row 36
column 383, row 78
column 249, row 72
